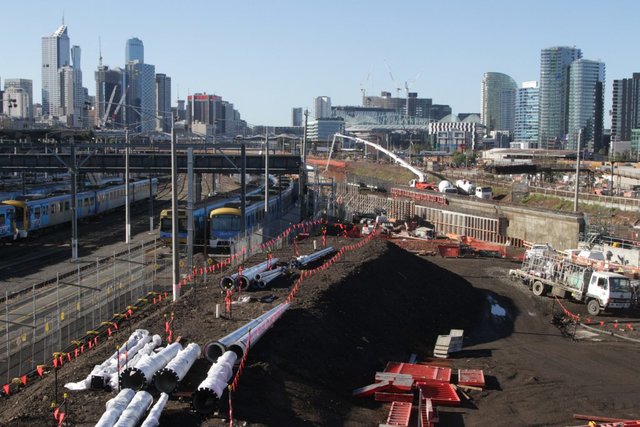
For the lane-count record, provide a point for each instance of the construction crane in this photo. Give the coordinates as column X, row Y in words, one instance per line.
column 420, row 182
column 398, row 89
column 120, row 104
column 103, row 121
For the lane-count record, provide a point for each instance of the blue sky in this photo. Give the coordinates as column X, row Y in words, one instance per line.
column 271, row 55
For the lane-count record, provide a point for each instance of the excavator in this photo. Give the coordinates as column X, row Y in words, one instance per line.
column 420, row 182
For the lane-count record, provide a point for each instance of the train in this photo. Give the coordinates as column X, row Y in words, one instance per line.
column 200, row 211
column 27, row 214
column 226, row 221
column 217, row 223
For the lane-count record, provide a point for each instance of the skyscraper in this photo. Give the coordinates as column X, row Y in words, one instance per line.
column 625, row 108
column 55, row 55
column 554, row 93
column 498, row 101
column 586, row 101
column 140, row 104
column 322, row 107
column 134, row 50
column 23, row 89
column 296, row 116
column 526, row 114
column 163, row 102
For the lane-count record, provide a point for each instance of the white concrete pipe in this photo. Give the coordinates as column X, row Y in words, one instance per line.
column 115, row 407
column 239, row 346
column 303, row 260
column 153, row 419
column 214, row 349
column 142, row 373
column 135, row 410
column 206, row 397
column 167, row 378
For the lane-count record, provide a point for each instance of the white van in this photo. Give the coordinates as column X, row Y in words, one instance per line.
column 484, row 193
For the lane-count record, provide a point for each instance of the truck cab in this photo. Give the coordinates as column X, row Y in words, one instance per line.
column 608, row 291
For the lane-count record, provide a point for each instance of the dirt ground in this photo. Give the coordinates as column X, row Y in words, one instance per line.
column 379, row 304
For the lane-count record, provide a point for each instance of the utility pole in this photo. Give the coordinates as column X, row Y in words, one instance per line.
column 266, row 173
column 577, row 183
column 175, row 255
column 303, row 167
column 74, row 203
column 190, row 237
column 127, row 212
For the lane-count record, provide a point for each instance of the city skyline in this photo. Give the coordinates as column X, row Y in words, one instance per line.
column 265, row 62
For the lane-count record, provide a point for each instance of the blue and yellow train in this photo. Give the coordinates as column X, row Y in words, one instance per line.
column 27, row 214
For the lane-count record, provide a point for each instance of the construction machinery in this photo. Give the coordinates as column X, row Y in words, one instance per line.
column 419, row 182
column 599, row 290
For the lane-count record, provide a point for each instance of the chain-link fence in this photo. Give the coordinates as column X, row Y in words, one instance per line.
column 48, row 319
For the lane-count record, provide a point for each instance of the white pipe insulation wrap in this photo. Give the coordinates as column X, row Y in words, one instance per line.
column 244, row 280
column 141, row 374
column 252, row 336
column 115, row 407
column 135, row 410
column 125, row 362
column 99, row 376
column 302, row 260
column 214, row 349
column 211, row 389
column 153, row 419
column 167, row 378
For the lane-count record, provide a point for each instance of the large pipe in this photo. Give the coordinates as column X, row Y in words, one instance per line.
column 135, row 410
column 146, row 350
column 232, row 281
column 115, row 407
column 252, row 336
column 303, row 260
column 141, row 374
column 167, row 378
column 99, row 376
column 214, row 349
column 243, row 280
column 153, row 419
column 262, row 274
column 263, row 280
column 205, row 398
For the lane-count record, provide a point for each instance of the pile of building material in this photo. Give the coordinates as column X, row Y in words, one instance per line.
column 447, row 344
column 405, row 384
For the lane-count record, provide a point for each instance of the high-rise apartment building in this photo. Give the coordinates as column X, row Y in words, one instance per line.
column 296, row 116
column 526, row 114
column 322, row 107
column 22, row 91
column 140, row 104
column 554, row 94
column 163, row 102
column 625, row 108
column 134, row 50
column 498, row 101
column 586, row 104
column 55, row 55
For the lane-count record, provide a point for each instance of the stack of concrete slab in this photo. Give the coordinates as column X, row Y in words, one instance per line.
column 447, row 344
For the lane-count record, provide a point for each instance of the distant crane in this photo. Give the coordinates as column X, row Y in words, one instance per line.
column 398, row 89
column 363, row 85
column 103, row 121
column 120, row 104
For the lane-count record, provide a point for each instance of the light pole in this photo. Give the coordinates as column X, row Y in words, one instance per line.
column 127, row 209
column 174, row 216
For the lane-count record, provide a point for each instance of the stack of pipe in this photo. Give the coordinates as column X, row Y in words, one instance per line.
column 261, row 280
column 242, row 281
column 303, row 260
column 167, row 378
column 210, row 391
column 153, row 419
column 132, row 360
column 101, row 374
column 115, row 407
column 214, row 349
column 142, row 372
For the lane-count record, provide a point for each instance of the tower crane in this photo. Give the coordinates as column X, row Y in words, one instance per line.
column 103, row 121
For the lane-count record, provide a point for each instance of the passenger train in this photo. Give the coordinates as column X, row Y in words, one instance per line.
column 226, row 221
column 30, row 213
column 200, row 212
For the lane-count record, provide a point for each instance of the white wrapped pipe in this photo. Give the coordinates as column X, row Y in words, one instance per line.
column 115, row 407
column 301, row 261
column 135, row 410
column 125, row 362
column 99, row 376
column 140, row 375
column 153, row 419
column 210, row 390
column 167, row 378
column 214, row 349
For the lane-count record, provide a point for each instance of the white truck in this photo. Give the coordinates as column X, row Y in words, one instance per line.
column 599, row 290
